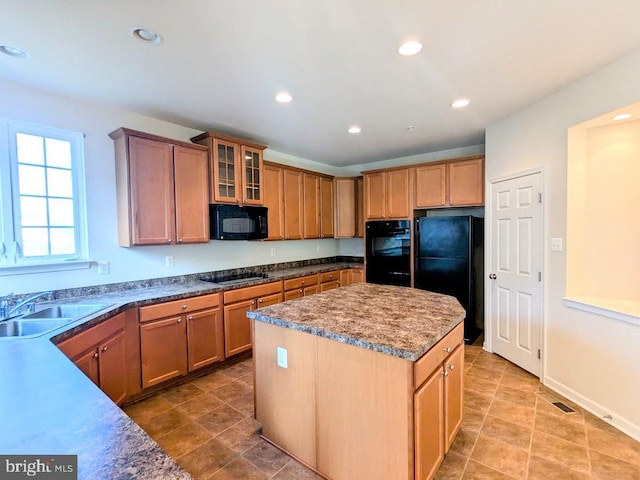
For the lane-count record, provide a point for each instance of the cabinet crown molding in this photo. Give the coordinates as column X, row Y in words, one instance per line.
column 227, row 138
column 122, row 132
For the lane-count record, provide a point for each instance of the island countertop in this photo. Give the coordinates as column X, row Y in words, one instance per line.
column 399, row 321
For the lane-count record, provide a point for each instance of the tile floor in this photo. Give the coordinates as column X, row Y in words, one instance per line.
column 510, row 430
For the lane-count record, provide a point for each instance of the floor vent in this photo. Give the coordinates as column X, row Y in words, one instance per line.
column 563, row 407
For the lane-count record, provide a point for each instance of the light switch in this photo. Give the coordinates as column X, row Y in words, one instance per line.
column 281, row 357
column 103, row 267
column 168, row 261
column 556, row 244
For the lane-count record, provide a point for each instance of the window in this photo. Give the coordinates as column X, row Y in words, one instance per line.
column 42, row 201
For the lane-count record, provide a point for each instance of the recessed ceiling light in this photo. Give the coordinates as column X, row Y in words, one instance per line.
column 283, row 97
column 410, row 48
column 354, row 129
column 622, row 116
column 147, row 36
column 461, row 103
column 14, row 51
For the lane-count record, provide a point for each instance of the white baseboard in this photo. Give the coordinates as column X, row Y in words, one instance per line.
column 598, row 410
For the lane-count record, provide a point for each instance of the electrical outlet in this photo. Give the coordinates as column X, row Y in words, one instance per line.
column 168, row 261
column 103, row 267
column 273, row 252
column 281, row 357
column 556, row 244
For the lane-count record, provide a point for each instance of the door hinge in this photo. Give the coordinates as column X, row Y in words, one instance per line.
column 540, row 198
column 538, row 354
column 539, row 276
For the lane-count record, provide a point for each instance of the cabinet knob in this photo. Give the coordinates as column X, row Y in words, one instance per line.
column 300, row 290
column 189, row 317
column 179, row 320
column 445, row 373
column 253, row 302
column 303, row 282
column 184, row 307
column 447, row 349
column 452, row 367
column 104, row 349
column 168, row 240
column 179, row 240
column 260, row 301
column 95, row 355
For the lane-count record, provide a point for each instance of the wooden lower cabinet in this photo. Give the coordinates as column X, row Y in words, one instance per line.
column 179, row 337
column 301, row 286
column 320, row 408
column 326, row 286
column 351, row 275
column 100, row 353
column 237, row 327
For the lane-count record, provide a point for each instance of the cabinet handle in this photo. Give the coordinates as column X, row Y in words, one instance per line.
column 104, row 349
column 184, row 307
column 447, row 350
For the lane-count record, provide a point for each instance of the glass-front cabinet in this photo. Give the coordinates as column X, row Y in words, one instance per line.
column 235, row 168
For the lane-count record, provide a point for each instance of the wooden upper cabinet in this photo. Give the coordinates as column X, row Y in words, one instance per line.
column 161, row 189
column 431, row 183
column 274, row 200
column 359, row 207
column 311, row 196
column 386, row 194
column 293, row 204
column 236, row 169
column 454, row 183
column 326, row 207
column 466, row 182
column 375, row 196
column 345, row 207
column 192, row 200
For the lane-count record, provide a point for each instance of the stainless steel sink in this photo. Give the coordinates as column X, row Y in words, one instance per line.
column 30, row 328
column 72, row 311
column 47, row 319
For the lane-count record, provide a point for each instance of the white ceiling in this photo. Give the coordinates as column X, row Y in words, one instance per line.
column 222, row 62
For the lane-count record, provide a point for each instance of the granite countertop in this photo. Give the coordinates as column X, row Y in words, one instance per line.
column 399, row 321
column 48, row 406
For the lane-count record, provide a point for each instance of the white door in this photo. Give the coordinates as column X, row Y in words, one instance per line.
column 515, row 274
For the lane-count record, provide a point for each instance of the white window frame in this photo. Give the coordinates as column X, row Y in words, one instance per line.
column 11, row 260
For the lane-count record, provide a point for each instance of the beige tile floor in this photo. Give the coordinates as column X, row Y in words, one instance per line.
column 510, row 430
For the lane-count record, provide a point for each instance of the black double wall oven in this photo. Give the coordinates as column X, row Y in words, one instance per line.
column 388, row 252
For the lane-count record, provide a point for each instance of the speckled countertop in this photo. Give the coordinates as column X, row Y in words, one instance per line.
column 399, row 321
column 48, row 406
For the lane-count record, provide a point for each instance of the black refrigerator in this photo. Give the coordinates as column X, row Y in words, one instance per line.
column 449, row 259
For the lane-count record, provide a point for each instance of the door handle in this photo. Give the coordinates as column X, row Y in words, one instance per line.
column 492, row 276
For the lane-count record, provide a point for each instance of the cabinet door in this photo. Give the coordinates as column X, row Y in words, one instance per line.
column 326, row 286
column 429, row 426
column 326, row 207
column 293, row 294
column 113, row 367
column 225, row 173
column 237, row 327
column 205, row 343
column 345, row 278
column 430, row 185
column 163, row 350
column 88, row 364
column 357, row 275
column 360, row 207
column 375, row 195
column 453, row 398
column 152, row 214
column 398, row 194
column 311, row 189
column 192, row 195
column 345, row 207
column 251, row 175
column 293, row 204
column 466, row 182
column 274, row 201
column 269, row 300
column 312, row 290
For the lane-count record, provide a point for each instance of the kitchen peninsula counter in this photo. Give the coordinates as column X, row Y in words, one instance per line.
column 363, row 381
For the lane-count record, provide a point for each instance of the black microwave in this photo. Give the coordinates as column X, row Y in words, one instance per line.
column 233, row 222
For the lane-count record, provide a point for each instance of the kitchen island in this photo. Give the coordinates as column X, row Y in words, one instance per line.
column 361, row 382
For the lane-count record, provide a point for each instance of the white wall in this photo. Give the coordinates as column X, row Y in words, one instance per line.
column 591, row 359
column 19, row 102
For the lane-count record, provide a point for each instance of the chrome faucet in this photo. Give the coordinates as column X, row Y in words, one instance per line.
column 4, row 306
column 27, row 304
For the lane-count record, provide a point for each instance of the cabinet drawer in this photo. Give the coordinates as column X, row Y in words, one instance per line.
column 80, row 343
column 425, row 366
column 329, row 276
column 178, row 307
column 248, row 293
column 300, row 282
